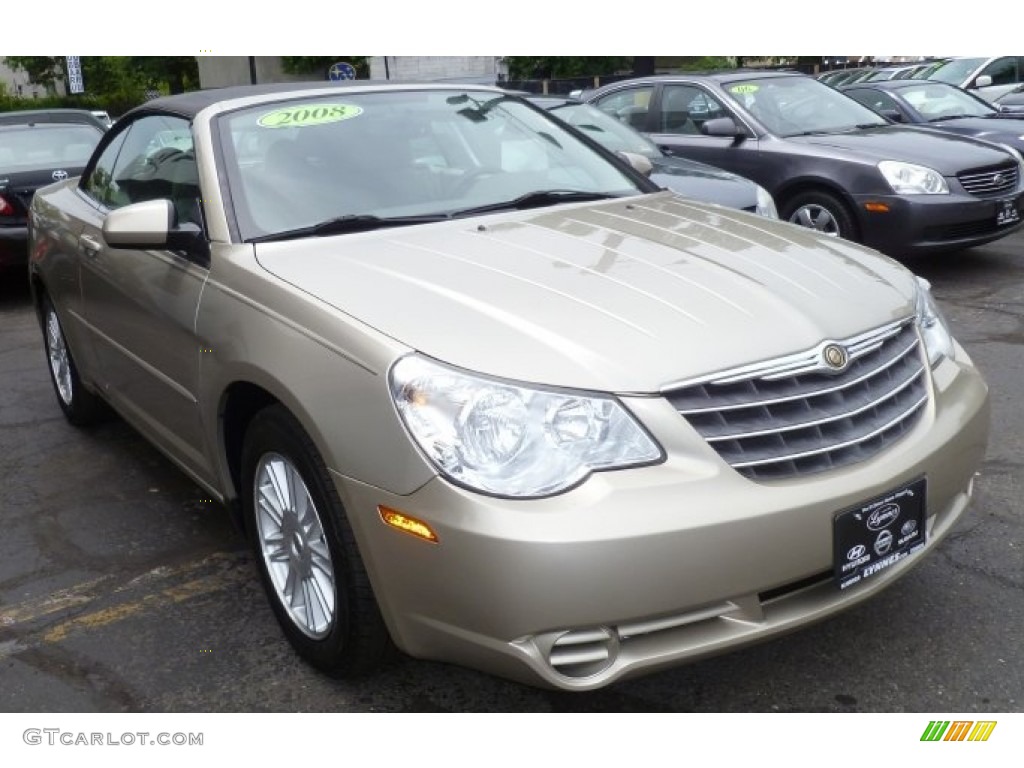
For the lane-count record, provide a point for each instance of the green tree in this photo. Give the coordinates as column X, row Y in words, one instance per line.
column 546, row 67
column 173, row 74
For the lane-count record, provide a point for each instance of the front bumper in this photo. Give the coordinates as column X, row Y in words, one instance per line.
column 639, row 570
column 923, row 224
column 13, row 246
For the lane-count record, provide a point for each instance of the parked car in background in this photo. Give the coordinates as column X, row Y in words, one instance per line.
column 103, row 117
column 1012, row 103
column 480, row 389
column 988, row 77
column 32, row 155
column 55, row 115
column 689, row 178
column 940, row 106
column 830, row 163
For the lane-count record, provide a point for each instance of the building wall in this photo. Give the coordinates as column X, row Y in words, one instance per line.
column 435, row 67
column 13, row 78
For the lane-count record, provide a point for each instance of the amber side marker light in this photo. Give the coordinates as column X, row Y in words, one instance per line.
column 407, row 524
column 876, row 207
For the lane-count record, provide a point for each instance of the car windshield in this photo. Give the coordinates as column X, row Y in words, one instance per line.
column 47, row 145
column 938, row 101
column 610, row 133
column 955, row 71
column 401, row 156
column 795, row 106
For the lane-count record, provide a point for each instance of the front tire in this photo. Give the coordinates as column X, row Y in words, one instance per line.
column 81, row 407
column 305, row 549
column 821, row 211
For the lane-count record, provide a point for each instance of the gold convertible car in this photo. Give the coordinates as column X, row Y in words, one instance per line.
column 478, row 389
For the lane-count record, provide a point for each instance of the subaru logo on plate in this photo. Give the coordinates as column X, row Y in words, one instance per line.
column 883, row 516
column 835, row 357
column 856, row 552
column 59, row 175
column 909, row 527
column 883, row 543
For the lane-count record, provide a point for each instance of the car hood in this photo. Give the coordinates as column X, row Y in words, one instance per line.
column 1008, row 131
column 623, row 296
column 703, row 182
column 946, row 153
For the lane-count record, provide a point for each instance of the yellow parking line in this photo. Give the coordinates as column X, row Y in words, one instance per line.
column 115, row 613
column 226, row 575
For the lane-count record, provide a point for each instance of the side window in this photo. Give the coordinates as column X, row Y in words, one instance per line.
column 157, row 161
column 1003, row 71
column 629, row 105
column 100, row 184
column 685, row 108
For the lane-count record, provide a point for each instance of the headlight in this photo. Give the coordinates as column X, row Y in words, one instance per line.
column 765, row 204
column 937, row 340
column 909, row 179
column 511, row 440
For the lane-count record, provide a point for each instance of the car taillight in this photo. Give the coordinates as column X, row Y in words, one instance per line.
column 6, row 209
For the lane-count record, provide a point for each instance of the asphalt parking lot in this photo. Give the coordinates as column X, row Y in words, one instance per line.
column 123, row 589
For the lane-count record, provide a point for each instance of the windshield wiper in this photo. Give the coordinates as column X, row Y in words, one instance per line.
column 349, row 223
column 537, row 199
column 948, row 117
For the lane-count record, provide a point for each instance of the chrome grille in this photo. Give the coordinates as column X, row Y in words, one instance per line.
column 793, row 416
column 992, row 181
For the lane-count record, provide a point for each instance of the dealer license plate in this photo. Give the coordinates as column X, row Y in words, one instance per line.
column 1006, row 212
column 878, row 534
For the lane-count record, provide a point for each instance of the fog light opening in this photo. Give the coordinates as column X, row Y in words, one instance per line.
column 407, row 524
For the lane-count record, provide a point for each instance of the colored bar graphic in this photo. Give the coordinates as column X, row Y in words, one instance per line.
column 958, row 730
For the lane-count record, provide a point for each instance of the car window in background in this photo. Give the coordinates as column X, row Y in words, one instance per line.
column 48, row 145
column 605, row 130
column 1003, row 71
column 791, row 106
column 873, row 99
column 938, row 102
column 956, row 71
column 629, row 105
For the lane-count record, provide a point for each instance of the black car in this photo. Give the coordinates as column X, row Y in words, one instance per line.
column 831, row 163
column 82, row 116
column 941, row 106
column 33, row 155
column 689, row 178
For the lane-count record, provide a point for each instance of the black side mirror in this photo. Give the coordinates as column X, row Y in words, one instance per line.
column 892, row 114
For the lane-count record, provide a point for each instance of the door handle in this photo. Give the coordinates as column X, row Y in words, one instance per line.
column 90, row 245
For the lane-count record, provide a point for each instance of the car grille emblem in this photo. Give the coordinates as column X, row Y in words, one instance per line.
column 997, row 180
column 59, row 175
column 835, row 357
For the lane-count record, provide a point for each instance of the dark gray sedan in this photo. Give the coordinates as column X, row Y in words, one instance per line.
column 689, row 178
column 941, row 106
column 830, row 163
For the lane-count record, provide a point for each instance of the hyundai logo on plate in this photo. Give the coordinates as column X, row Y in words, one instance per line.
column 856, row 552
